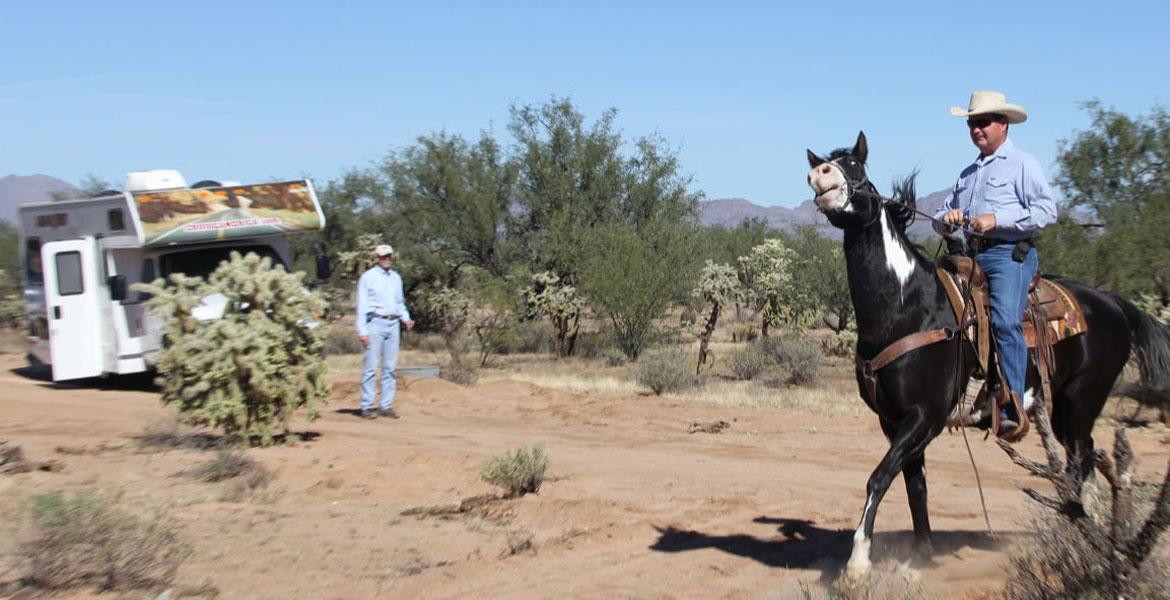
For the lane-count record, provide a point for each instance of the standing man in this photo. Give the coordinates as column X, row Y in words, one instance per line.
column 1004, row 197
column 381, row 307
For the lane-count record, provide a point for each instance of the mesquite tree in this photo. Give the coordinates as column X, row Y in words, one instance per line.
column 248, row 370
column 718, row 286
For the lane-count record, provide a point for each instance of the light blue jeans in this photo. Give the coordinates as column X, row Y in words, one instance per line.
column 1009, row 281
column 383, row 348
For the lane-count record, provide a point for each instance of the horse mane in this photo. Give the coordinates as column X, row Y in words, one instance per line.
column 901, row 211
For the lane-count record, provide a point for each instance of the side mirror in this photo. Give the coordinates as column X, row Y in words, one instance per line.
column 117, row 285
column 324, row 269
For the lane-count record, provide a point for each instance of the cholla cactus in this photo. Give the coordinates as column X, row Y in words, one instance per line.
column 352, row 263
column 767, row 273
column 718, row 286
column 247, row 371
column 449, row 309
column 548, row 297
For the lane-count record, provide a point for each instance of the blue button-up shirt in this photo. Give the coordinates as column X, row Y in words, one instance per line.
column 379, row 293
column 1008, row 184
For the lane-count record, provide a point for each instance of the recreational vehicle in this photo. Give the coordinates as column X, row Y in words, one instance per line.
column 81, row 256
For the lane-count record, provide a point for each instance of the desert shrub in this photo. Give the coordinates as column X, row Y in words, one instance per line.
column 798, row 355
column 549, row 297
column 841, row 344
column 340, row 340
column 459, row 373
column 428, row 342
column 748, row 362
column 665, row 371
column 531, row 337
column 85, row 538
column 744, row 332
column 899, row 583
column 247, row 371
column 614, row 359
column 518, row 472
column 594, row 344
column 1057, row 560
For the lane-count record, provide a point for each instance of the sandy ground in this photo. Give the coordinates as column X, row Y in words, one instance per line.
column 635, row 507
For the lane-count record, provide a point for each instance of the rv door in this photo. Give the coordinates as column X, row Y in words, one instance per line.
column 73, row 302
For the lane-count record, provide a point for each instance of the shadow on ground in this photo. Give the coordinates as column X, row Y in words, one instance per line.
column 803, row 545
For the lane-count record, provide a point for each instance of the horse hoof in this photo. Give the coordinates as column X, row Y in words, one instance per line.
column 856, row 571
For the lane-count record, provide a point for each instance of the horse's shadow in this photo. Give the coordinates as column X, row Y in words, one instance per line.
column 806, row 546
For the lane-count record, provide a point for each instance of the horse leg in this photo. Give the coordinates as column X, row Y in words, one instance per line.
column 1075, row 411
column 914, row 475
column 912, row 435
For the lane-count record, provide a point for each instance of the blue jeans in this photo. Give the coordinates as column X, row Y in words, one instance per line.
column 1009, row 282
column 383, row 348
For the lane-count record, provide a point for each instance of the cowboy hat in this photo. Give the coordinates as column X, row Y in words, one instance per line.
column 988, row 102
column 383, row 250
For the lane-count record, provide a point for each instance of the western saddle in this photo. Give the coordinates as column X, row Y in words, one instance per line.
column 1052, row 314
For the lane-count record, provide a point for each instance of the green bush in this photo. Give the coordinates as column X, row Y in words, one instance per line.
column 744, row 332
column 247, row 371
column 748, row 362
column 842, row 344
column 799, row 356
column 665, row 371
column 518, row 472
column 85, row 538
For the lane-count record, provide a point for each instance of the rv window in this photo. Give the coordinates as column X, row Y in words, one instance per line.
column 32, row 262
column 146, row 277
column 205, row 261
column 117, row 219
column 69, row 274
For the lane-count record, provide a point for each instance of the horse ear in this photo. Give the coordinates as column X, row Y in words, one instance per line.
column 814, row 160
column 861, row 148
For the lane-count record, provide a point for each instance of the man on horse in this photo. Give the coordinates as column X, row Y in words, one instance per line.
column 1004, row 198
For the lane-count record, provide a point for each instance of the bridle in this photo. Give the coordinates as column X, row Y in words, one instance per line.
column 864, row 188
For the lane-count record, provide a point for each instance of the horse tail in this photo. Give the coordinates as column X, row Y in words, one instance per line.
column 1151, row 347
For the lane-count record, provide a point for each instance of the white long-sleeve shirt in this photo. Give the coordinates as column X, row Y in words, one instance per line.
column 379, row 292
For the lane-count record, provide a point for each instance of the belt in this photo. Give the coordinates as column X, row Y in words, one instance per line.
column 983, row 243
column 387, row 317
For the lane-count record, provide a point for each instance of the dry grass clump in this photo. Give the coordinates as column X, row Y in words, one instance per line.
column 340, row 339
column 171, row 434
column 518, row 472
column 665, row 371
column 460, row 374
column 898, row 583
column 87, row 539
column 248, row 477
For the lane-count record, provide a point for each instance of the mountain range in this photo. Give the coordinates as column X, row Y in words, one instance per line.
column 730, row 212
column 17, row 189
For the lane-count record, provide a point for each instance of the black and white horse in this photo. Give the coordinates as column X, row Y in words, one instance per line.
column 895, row 293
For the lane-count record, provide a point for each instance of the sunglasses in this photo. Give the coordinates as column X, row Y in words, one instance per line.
column 981, row 122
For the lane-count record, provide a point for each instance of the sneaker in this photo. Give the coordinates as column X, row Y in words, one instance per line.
column 387, row 412
column 369, row 413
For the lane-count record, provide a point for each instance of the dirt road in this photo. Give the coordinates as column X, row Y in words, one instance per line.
column 636, row 506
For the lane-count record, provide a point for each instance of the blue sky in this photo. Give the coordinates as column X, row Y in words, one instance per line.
column 254, row 90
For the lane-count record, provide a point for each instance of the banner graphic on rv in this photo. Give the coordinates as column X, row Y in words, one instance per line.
column 189, row 216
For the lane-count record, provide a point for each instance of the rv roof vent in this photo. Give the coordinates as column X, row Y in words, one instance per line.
column 158, row 179
column 210, row 183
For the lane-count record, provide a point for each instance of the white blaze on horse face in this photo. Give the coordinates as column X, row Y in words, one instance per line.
column 898, row 258
column 828, row 182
